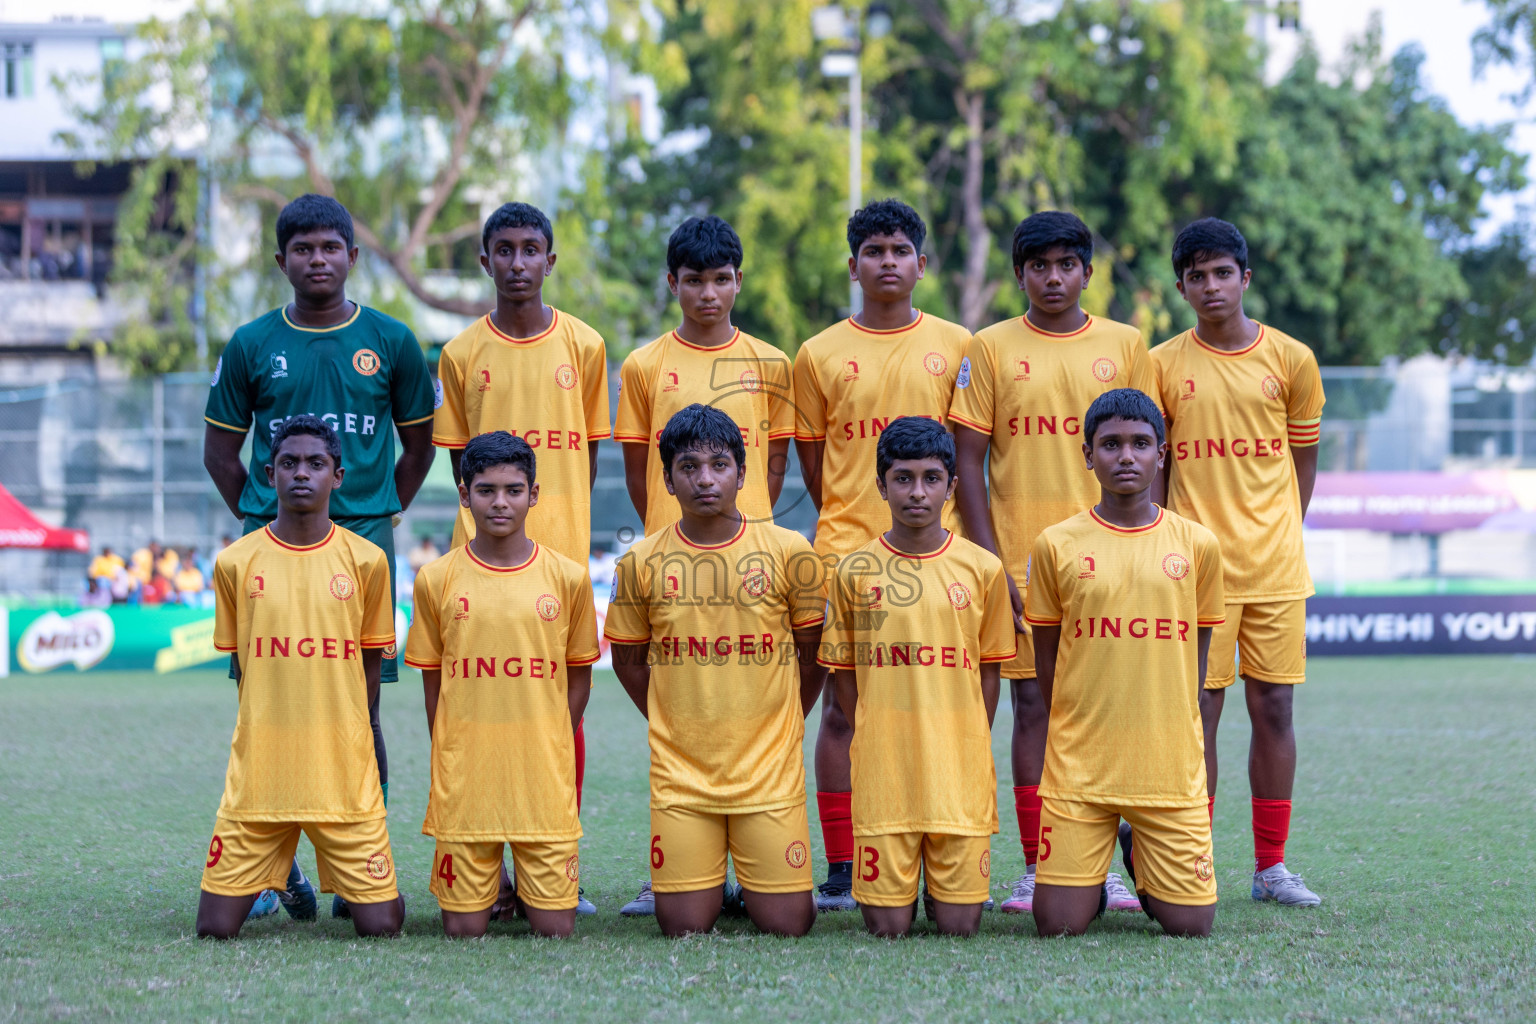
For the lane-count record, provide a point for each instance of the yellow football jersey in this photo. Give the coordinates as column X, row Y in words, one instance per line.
column 747, row 379
column 299, row 619
column 1231, row 416
column 1028, row 390
column 1125, row 707
column 916, row 629
column 725, row 720
column 552, row 391
column 850, row 382
column 503, row 756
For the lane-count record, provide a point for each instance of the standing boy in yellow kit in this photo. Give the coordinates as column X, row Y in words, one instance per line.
column 1244, row 404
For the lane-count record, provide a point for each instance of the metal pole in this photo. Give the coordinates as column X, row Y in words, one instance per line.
column 855, row 163
column 157, row 462
column 199, row 274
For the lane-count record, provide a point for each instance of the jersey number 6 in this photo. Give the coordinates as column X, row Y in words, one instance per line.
column 657, row 857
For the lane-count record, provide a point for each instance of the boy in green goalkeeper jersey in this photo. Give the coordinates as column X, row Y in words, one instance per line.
column 357, row 369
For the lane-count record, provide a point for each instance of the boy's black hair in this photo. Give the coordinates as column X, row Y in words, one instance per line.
column 700, row 428
column 1123, row 404
column 498, row 448
column 886, row 217
column 314, row 426
column 703, row 243
column 1207, row 239
column 311, row 212
column 1041, row 232
column 914, row 437
column 517, row 215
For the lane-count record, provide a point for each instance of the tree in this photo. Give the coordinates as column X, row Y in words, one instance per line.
column 418, row 114
column 1356, row 200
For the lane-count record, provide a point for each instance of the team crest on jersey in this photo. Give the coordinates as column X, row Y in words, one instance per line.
column 389, row 653
column 876, row 592
column 342, row 587
column 959, row 596
column 795, row 855
column 669, row 381
column 1021, row 370
column 572, row 868
column 257, row 588
column 437, row 394
column 1188, row 393
column 985, row 864
column 365, row 361
column 963, row 379
column 548, row 607
column 1203, row 867
column 378, row 866
column 751, row 383
column 1175, row 565
column 565, row 376
column 218, row 371
column 483, row 379
column 1104, row 370
column 850, row 370
column 279, row 366
column 756, row 581
column 669, row 586
column 935, row 363
column 1085, row 566
column 1270, row 387
column 461, row 606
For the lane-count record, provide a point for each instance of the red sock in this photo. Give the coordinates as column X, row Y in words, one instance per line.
column 1210, row 808
column 1271, row 827
column 1026, row 802
column 581, row 760
column 836, row 810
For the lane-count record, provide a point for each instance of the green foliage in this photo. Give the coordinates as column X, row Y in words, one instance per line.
column 1497, row 317
column 418, row 114
column 1355, row 199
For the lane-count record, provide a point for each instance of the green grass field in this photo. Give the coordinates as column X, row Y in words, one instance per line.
column 1413, row 819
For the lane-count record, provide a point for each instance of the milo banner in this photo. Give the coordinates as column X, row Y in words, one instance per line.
column 136, row 639
column 1429, row 624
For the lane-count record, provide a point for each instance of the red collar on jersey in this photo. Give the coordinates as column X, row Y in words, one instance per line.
column 1127, row 529
column 704, row 348
column 503, row 568
column 1029, row 324
column 553, row 320
column 295, row 547
column 1193, row 333
column 678, row 526
column 895, row 330
column 907, row 554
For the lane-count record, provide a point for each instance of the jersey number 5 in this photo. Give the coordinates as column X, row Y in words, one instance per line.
column 1045, row 843
column 445, row 870
column 869, row 857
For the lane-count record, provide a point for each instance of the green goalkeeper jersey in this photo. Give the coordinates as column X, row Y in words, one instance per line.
column 363, row 377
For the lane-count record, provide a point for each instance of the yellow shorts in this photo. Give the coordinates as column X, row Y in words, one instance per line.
column 959, row 868
column 1270, row 638
column 466, row 877
column 354, row 859
column 771, row 849
column 1171, row 846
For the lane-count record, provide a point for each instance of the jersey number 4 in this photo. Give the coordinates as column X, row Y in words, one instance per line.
column 445, row 869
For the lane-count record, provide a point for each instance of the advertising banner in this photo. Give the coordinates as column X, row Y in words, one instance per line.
column 1425, row 502
column 1428, row 624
